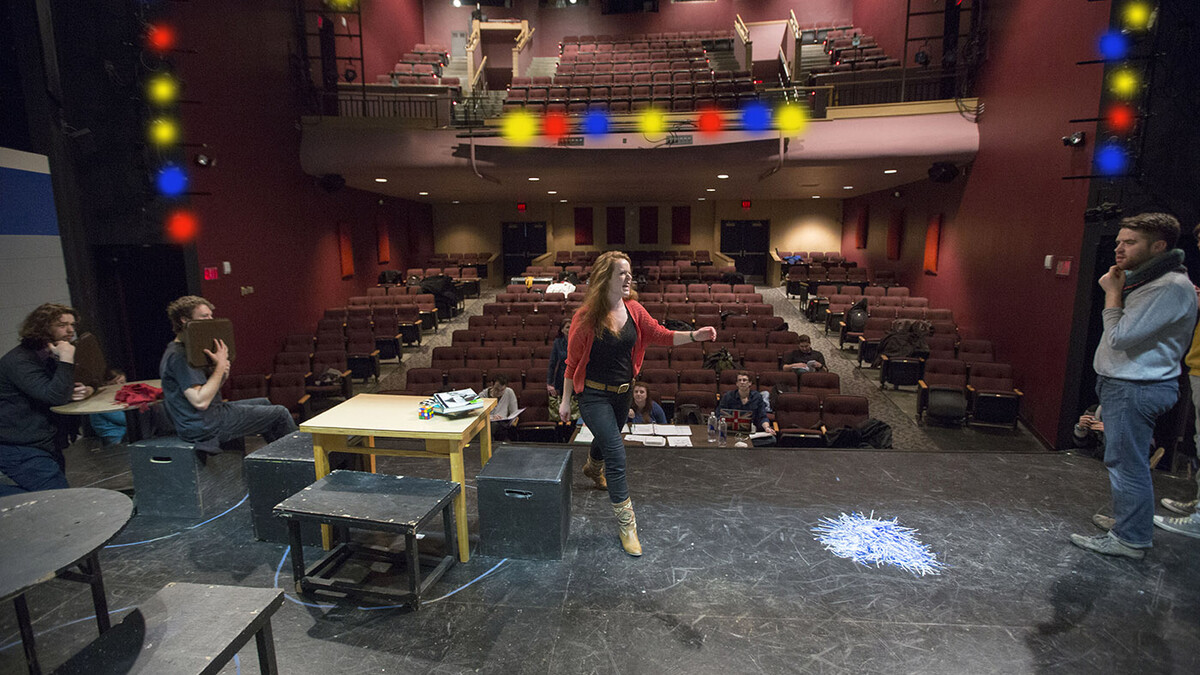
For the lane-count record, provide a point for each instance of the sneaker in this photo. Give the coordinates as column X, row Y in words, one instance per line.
column 1187, row 526
column 1185, row 508
column 1107, row 544
column 1103, row 522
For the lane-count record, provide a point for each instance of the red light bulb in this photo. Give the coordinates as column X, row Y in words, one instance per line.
column 1121, row 118
column 182, row 227
column 160, row 38
column 710, row 122
column 555, row 125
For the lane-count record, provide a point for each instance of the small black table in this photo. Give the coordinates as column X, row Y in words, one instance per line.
column 47, row 533
column 379, row 502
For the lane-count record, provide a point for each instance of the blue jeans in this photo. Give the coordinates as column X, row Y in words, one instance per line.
column 1130, row 410
column 32, row 469
column 605, row 413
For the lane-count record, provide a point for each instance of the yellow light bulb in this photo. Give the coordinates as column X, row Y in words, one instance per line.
column 162, row 90
column 791, row 118
column 1137, row 15
column 1124, row 83
column 164, row 131
column 519, row 126
column 652, row 122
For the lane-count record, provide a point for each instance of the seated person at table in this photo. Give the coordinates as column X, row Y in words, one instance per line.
column 192, row 396
column 804, row 359
column 745, row 398
column 34, row 376
column 110, row 426
column 505, row 408
column 643, row 409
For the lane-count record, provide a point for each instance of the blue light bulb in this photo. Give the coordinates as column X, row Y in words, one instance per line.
column 596, row 122
column 1111, row 160
column 756, row 117
column 1114, row 45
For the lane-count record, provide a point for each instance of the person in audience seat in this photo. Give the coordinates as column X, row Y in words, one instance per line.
column 607, row 342
column 505, row 409
column 643, row 409
column 34, row 376
column 192, row 396
column 1149, row 316
column 804, row 359
column 745, row 398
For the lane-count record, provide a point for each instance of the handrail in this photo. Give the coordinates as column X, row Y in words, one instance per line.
column 794, row 24
column 524, row 37
column 740, row 27
column 787, row 71
column 478, row 73
column 473, row 38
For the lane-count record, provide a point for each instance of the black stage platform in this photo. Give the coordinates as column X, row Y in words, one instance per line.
column 732, row 580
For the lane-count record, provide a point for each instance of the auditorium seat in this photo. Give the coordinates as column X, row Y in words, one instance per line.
column 820, row 384
column 322, row 363
column 288, row 390
column 943, row 390
column 840, row 411
column 797, row 420
column 246, row 386
column 993, row 397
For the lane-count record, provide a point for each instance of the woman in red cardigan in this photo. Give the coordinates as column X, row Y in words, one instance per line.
column 608, row 339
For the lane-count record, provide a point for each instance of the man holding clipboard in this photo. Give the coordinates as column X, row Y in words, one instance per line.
column 192, row 394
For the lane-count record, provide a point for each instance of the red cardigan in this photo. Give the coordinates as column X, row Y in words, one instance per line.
column 579, row 342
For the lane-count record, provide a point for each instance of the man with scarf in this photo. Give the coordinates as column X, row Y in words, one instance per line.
column 1149, row 314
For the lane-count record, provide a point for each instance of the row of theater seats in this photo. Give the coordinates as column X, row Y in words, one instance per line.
column 649, row 257
column 827, row 258
column 689, row 273
column 587, row 43
column 729, row 102
column 585, row 89
column 642, row 61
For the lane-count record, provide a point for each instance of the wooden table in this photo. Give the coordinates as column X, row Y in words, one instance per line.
column 380, row 415
column 699, row 438
column 104, row 401
column 45, row 534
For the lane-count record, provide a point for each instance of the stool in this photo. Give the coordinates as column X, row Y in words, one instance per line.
column 166, row 478
column 378, row 502
column 185, row 628
column 525, row 503
column 279, row 470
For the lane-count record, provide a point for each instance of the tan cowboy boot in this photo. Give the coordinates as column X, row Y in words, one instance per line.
column 595, row 470
column 628, row 527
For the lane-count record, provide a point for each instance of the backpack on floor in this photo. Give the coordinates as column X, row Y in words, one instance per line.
column 856, row 317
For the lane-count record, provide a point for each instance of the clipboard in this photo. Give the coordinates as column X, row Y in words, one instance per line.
column 199, row 335
column 90, row 364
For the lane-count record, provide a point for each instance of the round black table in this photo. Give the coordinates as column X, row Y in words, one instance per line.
column 48, row 533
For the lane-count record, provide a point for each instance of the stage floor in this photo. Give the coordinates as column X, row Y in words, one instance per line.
column 732, row 581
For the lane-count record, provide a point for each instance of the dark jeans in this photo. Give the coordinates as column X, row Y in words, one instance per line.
column 245, row 418
column 32, row 469
column 605, row 413
column 1130, row 410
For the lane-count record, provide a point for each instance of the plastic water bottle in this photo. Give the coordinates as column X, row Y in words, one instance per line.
column 722, row 432
column 712, row 427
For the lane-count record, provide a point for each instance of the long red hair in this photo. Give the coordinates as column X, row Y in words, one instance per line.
column 594, row 312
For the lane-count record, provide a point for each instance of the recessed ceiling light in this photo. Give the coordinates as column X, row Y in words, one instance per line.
column 551, row 192
column 722, row 176
column 889, row 171
column 423, row 194
column 380, row 180
column 816, row 196
column 534, row 179
column 847, row 187
column 454, row 202
column 710, row 189
column 700, row 199
column 562, row 201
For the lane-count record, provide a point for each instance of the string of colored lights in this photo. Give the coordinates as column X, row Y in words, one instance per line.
column 1125, row 85
column 162, row 88
column 520, row 126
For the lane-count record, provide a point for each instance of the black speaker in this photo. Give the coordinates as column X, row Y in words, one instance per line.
column 943, row 172
column 331, row 182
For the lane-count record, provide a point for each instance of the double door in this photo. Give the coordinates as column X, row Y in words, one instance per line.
column 746, row 242
column 522, row 243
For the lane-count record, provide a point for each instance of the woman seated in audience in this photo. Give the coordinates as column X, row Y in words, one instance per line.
column 643, row 409
column 503, row 415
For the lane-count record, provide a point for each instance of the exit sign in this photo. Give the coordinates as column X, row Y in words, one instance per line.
column 210, row 274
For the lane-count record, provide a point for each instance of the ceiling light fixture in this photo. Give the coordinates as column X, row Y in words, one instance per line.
column 889, row 170
column 562, row 201
column 722, row 176
column 710, row 189
column 551, row 192
column 847, row 187
column 700, row 199
column 534, row 179
column 423, row 194
column 380, row 180
column 816, row 196
column 454, row 202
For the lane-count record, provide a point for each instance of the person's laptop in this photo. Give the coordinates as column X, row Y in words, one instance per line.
column 199, row 335
column 90, row 364
column 738, row 420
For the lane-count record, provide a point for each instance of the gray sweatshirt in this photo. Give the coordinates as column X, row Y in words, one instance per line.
column 1145, row 340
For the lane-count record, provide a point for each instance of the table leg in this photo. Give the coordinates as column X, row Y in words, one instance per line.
column 297, row 551
column 91, row 567
column 266, row 650
column 321, row 468
column 27, row 639
column 458, row 475
column 485, row 443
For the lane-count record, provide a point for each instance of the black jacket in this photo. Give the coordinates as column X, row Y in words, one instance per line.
column 30, row 383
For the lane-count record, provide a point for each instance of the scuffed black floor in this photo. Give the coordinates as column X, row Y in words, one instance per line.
column 732, row 580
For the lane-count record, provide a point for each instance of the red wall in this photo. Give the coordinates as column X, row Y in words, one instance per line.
column 552, row 24
column 269, row 220
column 1015, row 207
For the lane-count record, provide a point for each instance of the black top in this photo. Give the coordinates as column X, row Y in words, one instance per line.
column 556, row 370
column 732, row 400
column 177, row 377
column 30, row 383
column 797, row 356
column 611, row 360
